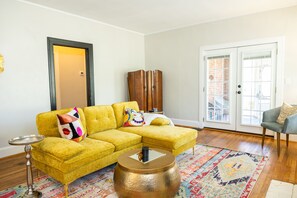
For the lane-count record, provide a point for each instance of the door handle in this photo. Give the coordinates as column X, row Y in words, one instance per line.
column 239, row 92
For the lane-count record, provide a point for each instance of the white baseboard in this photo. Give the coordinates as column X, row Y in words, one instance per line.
column 190, row 123
column 11, row 150
column 292, row 137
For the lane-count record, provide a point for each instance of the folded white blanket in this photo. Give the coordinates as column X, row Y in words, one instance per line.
column 149, row 117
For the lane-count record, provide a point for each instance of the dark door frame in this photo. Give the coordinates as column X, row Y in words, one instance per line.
column 89, row 68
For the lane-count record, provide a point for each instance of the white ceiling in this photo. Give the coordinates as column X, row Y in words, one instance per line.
column 150, row 16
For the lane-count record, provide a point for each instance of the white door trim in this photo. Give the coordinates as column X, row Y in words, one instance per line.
column 280, row 42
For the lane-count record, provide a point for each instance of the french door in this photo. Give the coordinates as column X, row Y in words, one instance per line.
column 239, row 85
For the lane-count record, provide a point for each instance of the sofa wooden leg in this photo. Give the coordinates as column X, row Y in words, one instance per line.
column 66, row 190
column 193, row 150
column 287, row 139
column 278, row 144
column 263, row 136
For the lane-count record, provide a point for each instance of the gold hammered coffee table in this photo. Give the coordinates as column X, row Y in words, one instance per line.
column 157, row 178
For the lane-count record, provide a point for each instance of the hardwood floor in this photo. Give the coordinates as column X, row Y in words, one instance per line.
column 284, row 167
column 13, row 171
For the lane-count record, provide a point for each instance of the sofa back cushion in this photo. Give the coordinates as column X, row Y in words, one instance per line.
column 47, row 123
column 99, row 118
column 119, row 110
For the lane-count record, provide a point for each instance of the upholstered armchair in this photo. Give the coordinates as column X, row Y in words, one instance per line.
column 269, row 122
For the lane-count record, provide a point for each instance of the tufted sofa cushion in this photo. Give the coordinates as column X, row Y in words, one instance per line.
column 99, row 118
column 121, row 140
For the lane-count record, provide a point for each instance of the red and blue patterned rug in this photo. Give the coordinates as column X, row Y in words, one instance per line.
column 211, row 172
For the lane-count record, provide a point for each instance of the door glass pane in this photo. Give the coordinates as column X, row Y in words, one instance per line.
column 257, row 82
column 218, row 69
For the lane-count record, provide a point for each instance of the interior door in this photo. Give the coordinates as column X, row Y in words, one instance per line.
column 70, row 72
column 255, row 85
column 220, row 98
column 87, row 71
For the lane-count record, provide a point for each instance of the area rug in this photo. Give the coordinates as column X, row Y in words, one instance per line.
column 211, row 172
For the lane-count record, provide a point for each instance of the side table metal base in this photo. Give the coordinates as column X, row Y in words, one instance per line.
column 33, row 194
column 27, row 140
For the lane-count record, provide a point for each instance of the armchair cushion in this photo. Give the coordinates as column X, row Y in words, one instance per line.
column 272, row 126
column 286, row 110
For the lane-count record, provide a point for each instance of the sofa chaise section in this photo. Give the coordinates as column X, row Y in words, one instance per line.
column 171, row 138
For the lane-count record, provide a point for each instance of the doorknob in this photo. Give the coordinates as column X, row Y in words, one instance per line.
column 239, row 92
column 239, row 86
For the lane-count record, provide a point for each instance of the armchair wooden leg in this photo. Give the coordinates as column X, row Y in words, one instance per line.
column 263, row 136
column 66, row 190
column 287, row 139
column 193, row 150
column 278, row 144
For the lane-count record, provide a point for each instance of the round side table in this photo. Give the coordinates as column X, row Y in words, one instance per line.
column 157, row 178
column 27, row 140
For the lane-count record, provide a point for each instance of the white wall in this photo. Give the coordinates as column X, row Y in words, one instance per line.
column 176, row 53
column 24, row 85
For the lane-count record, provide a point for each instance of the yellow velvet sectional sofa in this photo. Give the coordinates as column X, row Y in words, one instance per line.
column 67, row 160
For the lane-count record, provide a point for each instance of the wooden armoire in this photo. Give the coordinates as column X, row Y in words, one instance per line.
column 145, row 87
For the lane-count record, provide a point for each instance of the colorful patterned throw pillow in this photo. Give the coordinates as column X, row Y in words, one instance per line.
column 133, row 118
column 286, row 110
column 70, row 126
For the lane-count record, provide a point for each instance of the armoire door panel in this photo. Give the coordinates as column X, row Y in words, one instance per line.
column 157, row 90
column 137, row 88
column 131, row 84
column 149, row 79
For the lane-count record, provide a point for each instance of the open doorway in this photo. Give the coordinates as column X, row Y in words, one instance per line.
column 71, row 73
